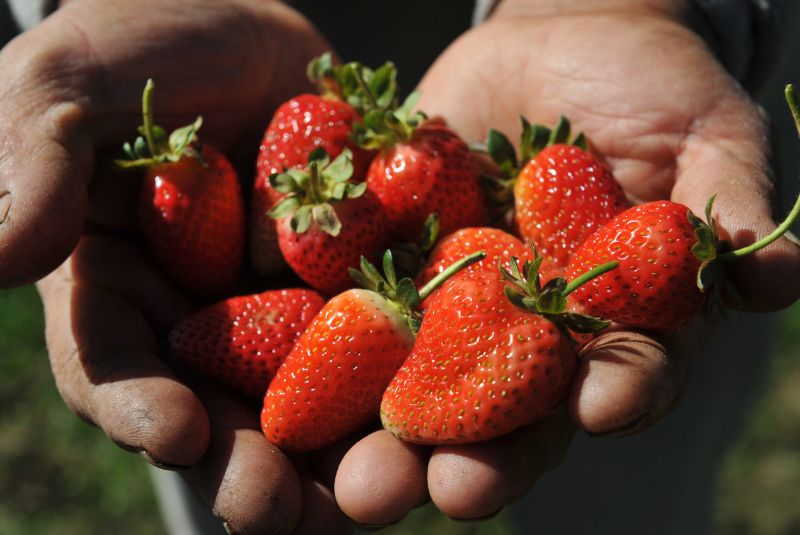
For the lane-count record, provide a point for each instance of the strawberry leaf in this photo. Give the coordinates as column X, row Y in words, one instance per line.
column 301, row 220
column 551, row 301
column 326, row 219
column 580, row 323
column 388, row 268
column 356, row 190
column 502, row 152
column 341, row 169
column 560, row 134
column 284, row 208
column 183, row 137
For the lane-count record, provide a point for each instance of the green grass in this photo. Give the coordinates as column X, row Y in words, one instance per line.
column 59, row 475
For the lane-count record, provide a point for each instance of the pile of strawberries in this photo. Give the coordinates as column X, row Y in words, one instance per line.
column 471, row 326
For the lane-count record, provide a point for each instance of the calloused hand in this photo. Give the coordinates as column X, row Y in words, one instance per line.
column 651, row 98
column 70, row 95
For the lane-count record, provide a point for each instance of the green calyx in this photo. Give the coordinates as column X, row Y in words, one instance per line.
column 363, row 88
column 373, row 93
column 550, row 300
column 534, row 138
column 402, row 293
column 411, row 257
column 312, row 192
column 713, row 253
column 154, row 146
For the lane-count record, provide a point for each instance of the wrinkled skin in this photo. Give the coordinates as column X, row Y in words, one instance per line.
column 682, row 131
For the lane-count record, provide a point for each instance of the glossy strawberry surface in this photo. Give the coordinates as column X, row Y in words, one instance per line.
column 561, row 197
column 433, row 172
column 299, row 126
column 242, row 341
column 480, row 367
column 191, row 215
column 322, row 260
column 655, row 285
column 498, row 245
column 331, row 383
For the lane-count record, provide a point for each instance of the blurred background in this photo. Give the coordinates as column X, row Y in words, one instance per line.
column 59, row 475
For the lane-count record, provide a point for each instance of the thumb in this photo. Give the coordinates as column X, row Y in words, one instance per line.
column 726, row 156
column 46, row 160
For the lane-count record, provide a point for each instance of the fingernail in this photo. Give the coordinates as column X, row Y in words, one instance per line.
column 5, row 205
column 158, row 464
column 627, row 429
column 792, row 237
column 227, row 528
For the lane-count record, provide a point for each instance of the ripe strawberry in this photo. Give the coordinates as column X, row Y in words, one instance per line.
column 655, row 286
column 562, row 193
column 499, row 246
column 191, row 211
column 668, row 258
column 331, row 383
column 326, row 223
column 421, row 168
column 298, row 127
column 241, row 341
column 488, row 358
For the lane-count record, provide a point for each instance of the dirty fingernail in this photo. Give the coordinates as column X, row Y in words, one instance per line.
column 158, row 464
column 628, row 429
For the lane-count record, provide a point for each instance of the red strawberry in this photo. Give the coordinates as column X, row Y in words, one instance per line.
column 332, row 382
column 299, row 126
column 421, row 168
column 668, row 258
column 191, row 210
column 498, row 245
column 326, row 223
column 489, row 358
column 241, row 341
column 655, row 286
column 562, row 193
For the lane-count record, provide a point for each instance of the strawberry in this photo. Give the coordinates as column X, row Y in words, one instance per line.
column 500, row 246
column 241, row 341
column 422, row 167
column 298, row 127
column 332, row 382
column 191, row 211
column 562, row 193
column 489, row 357
column 670, row 265
column 327, row 223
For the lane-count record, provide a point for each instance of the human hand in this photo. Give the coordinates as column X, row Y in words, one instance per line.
column 672, row 124
column 71, row 95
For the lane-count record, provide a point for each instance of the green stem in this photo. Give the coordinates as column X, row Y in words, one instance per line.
column 779, row 231
column 454, row 268
column 791, row 100
column 577, row 282
column 147, row 115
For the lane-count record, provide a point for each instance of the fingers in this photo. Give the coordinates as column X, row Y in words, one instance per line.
column 724, row 154
column 245, row 481
column 380, row 479
column 475, row 481
column 45, row 162
column 626, row 381
column 103, row 355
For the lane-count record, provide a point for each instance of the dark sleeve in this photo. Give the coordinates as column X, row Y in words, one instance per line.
column 746, row 35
